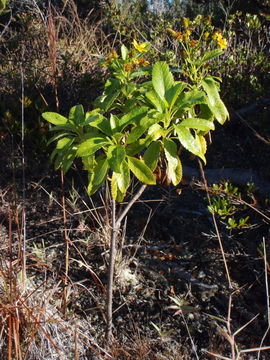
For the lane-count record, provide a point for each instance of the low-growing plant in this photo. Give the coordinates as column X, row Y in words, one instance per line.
column 226, row 203
column 139, row 126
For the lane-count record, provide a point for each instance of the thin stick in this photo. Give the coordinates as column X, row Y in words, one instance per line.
column 216, row 227
column 111, row 274
column 23, row 247
column 66, row 239
column 129, row 205
column 190, row 337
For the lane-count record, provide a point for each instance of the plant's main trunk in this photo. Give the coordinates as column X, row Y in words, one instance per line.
column 114, row 232
column 116, row 224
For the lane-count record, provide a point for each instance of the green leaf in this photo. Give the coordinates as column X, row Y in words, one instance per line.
column 115, row 191
column 114, row 122
column 151, row 155
column 100, row 122
column 188, row 141
column 3, row 4
column 214, row 101
column 210, row 55
column 66, row 127
column 141, row 171
column 54, row 118
column 88, row 162
column 172, row 94
column 100, row 172
column 145, row 72
column 162, row 78
column 64, row 142
column 124, row 178
column 139, row 130
column 132, row 117
column 174, row 170
column 155, row 131
column 138, row 146
column 116, row 155
column 76, row 115
column 156, row 100
column 90, row 146
column 190, row 98
column 135, row 133
column 68, row 160
column 56, row 137
column 105, row 101
column 199, row 124
column 64, row 157
column 124, row 52
column 206, row 113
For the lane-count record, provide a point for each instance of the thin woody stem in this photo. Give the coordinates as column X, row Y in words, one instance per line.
column 114, row 232
column 129, row 205
column 111, row 274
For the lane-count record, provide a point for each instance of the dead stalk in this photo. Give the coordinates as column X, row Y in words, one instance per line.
column 216, row 227
column 23, row 245
column 66, row 239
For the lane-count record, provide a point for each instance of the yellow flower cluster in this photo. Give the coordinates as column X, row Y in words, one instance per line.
column 143, row 47
column 222, row 42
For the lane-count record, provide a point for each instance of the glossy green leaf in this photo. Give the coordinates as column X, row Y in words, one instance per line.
column 174, row 170
column 156, row 100
column 199, row 124
column 135, row 134
column 132, row 117
column 90, row 146
column 124, row 178
column 162, row 78
column 172, row 94
column 155, row 131
column 114, row 122
column 206, row 113
column 100, row 171
column 76, row 115
column 139, row 130
column 66, row 127
column 213, row 99
column 88, row 162
column 68, row 160
column 65, row 158
column 151, row 155
column 201, row 140
column 115, row 191
column 210, row 55
column 54, row 118
column 105, row 101
column 141, row 171
column 64, row 142
column 100, row 122
column 116, row 155
column 56, row 137
column 138, row 146
column 188, row 141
